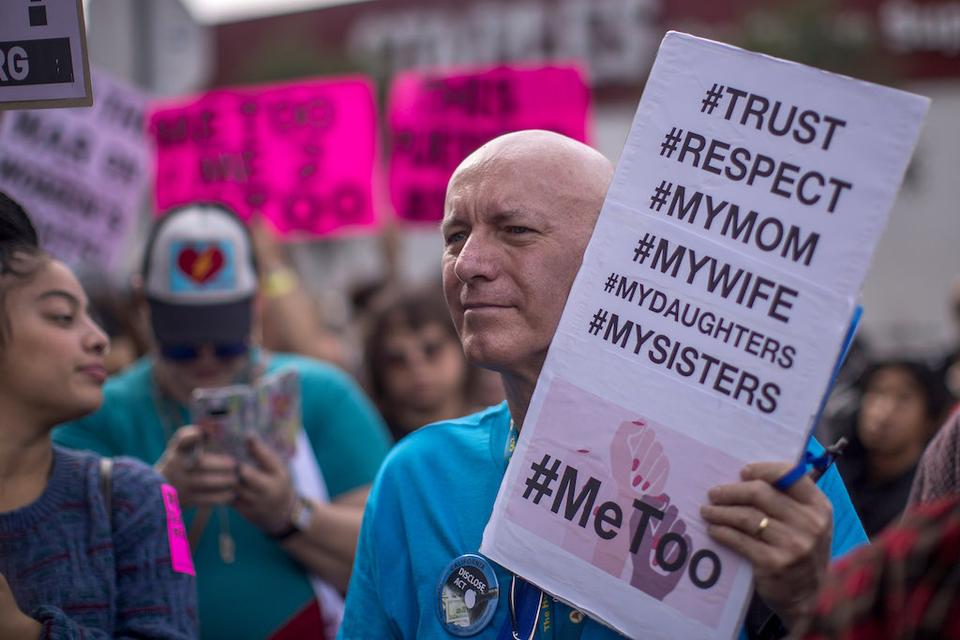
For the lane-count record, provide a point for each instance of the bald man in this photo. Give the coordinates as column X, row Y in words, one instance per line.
column 518, row 215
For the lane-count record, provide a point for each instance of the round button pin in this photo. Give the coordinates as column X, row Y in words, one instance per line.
column 467, row 595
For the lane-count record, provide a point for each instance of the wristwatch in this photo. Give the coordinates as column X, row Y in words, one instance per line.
column 300, row 517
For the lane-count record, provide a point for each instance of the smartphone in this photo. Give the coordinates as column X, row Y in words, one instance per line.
column 226, row 415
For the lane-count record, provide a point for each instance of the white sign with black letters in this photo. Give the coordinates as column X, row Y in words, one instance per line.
column 701, row 331
column 43, row 55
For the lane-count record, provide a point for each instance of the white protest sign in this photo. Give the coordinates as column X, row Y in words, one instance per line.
column 80, row 173
column 700, row 332
column 43, row 55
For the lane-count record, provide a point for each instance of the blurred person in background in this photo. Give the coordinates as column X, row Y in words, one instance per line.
column 414, row 362
column 291, row 320
column 938, row 473
column 905, row 585
column 902, row 403
column 115, row 310
column 273, row 542
column 84, row 548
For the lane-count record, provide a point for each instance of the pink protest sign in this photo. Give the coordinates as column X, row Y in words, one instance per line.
column 437, row 119
column 180, row 557
column 301, row 154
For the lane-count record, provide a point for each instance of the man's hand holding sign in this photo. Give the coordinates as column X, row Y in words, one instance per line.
column 785, row 536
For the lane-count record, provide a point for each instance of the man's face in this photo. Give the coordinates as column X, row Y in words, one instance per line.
column 514, row 229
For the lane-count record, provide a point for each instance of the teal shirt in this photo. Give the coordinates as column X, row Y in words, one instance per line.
column 430, row 504
column 348, row 438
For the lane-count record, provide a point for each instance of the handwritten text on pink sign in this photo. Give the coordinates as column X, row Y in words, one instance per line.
column 301, row 154
column 437, row 120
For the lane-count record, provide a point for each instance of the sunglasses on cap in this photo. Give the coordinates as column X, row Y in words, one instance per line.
column 186, row 352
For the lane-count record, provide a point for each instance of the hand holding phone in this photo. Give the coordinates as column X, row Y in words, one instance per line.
column 201, row 478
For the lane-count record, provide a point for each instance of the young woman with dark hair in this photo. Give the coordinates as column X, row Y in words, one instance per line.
column 902, row 403
column 87, row 547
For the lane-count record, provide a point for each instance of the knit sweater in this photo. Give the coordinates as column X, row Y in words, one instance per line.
column 83, row 573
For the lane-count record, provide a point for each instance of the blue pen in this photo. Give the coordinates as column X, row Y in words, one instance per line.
column 819, row 463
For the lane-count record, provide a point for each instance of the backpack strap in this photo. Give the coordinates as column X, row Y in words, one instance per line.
column 106, row 485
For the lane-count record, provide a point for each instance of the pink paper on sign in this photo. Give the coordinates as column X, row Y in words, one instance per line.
column 645, row 461
column 301, row 154
column 437, row 119
column 180, row 557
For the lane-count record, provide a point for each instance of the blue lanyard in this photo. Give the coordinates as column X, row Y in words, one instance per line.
column 526, row 602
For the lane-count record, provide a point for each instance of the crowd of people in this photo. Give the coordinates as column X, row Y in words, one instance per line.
column 105, row 439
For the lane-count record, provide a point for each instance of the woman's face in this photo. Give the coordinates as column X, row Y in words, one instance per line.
column 893, row 413
column 423, row 368
column 52, row 359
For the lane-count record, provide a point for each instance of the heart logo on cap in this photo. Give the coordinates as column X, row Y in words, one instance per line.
column 200, row 266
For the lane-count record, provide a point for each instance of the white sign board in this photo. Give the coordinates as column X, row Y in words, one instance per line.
column 43, row 55
column 80, row 173
column 700, row 332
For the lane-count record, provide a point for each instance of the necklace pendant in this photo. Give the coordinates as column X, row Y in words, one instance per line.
column 227, row 548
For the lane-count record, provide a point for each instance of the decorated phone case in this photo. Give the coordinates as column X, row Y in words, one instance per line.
column 226, row 415
column 278, row 399
column 269, row 409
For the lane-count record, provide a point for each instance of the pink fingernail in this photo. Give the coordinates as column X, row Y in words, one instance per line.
column 637, row 480
column 636, row 463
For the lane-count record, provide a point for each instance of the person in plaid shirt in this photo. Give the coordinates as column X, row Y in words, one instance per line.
column 906, row 585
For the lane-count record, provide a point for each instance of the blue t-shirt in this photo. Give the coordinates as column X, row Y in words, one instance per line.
column 430, row 504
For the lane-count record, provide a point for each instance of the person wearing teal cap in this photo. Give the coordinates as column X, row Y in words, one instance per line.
column 272, row 538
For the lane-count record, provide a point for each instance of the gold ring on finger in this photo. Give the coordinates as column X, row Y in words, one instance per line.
column 762, row 526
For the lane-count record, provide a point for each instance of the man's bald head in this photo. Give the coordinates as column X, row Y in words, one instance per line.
column 567, row 167
column 518, row 215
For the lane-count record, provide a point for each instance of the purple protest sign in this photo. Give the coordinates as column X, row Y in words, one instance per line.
column 81, row 173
